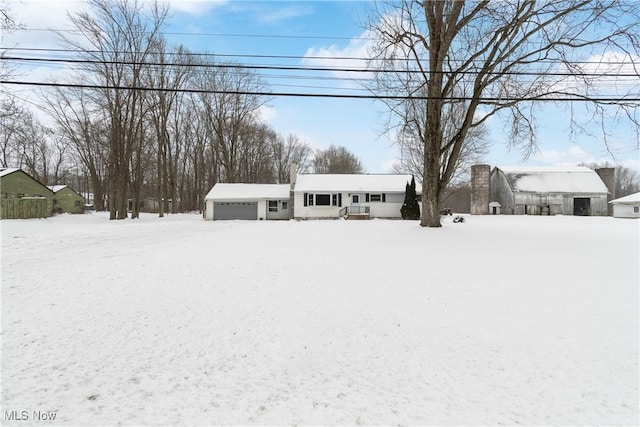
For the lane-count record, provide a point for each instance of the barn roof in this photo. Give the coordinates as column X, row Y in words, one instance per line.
column 631, row 199
column 577, row 179
column 352, row 182
column 224, row 191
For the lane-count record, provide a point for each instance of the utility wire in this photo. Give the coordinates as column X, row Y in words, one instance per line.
column 266, row 56
column 542, row 98
column 300, row 68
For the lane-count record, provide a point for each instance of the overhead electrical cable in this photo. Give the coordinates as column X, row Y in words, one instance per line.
column 540, row 98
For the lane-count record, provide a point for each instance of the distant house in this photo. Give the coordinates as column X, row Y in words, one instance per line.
column 627, row 207
column 539, row 191
column 23, row 196
column 66, row 200
column 349, row 195
column 247, row 201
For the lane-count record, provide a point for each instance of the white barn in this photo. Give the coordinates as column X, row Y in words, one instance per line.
column 627, row 206
column 548, row 191
column 352, row 195
column 247, row 201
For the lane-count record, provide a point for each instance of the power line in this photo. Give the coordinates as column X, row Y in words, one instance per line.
column 302, row 68
column 542, row 98
column 267, row 56
column 231, row 35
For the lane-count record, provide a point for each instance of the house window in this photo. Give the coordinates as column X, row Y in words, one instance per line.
column 323, row 200
column 375, row 197
column 285, row 206
column 310, row 199
column 356, row 198
column 273, row 206
column 636, row 209
column 20, row 195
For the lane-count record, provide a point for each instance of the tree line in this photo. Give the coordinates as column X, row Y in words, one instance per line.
column 124, row 144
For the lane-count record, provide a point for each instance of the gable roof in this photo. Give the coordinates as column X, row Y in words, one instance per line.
column 352, row 182
column 577, row 179
column 7, row 171
column 56, row 188
column 224, row 191
column 631, row 199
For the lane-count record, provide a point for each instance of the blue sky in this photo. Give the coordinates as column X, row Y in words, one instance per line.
column 319, row 28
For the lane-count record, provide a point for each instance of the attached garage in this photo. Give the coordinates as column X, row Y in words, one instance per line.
column 235, row 210
column 247, row 202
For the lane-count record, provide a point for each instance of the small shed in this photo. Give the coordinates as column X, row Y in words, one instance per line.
column 548, row 191
column 66, row 200
column 247, row 201
column 627, row 206
column 23, row 196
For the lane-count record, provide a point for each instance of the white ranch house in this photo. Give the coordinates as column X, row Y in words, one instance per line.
column 335, row 196
column 627, row 207
column 310, row 196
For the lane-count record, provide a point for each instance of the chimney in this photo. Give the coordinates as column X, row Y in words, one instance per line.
column 293, row 173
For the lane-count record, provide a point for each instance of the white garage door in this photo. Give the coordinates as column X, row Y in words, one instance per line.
column 235, row 210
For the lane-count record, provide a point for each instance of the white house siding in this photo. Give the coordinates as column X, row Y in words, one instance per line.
column 626, row 211
column 281, row 212
column 390, row 208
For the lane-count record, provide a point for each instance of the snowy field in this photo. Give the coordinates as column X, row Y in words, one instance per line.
column 178, row 321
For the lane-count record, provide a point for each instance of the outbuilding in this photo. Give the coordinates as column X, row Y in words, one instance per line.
column 66, row 200
column 548, row 191
column 23, row 196
column 627, row 206
column 247, row 202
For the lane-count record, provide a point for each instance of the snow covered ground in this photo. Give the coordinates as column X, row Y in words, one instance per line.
column 177, row 321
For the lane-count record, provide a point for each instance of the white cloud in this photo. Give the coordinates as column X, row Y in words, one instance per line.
column 267, row 113
column 195, row 7
column 275, row 16
column 570, row 157
column 351, row 56
column 610, row 73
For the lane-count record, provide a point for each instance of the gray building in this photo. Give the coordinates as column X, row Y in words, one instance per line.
column 543, row 191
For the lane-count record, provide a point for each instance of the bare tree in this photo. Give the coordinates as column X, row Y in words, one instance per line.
column 627, row 179
column 165, row 106
column 118, row 37
column 230, row 113
column 492, row 56
column 409, row 141
column 336, row 160
column 83, row 125
column 289, row 150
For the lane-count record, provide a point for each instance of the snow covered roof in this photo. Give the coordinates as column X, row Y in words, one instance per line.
column 56, row 188
column 577, row 179
column 352, row 182
column 222, row 191
column 7, row 171
column 631, row 199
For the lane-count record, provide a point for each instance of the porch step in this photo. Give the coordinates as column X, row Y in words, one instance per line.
column 358, row 216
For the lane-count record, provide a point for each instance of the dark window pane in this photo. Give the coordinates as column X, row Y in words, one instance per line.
column 323, row 199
